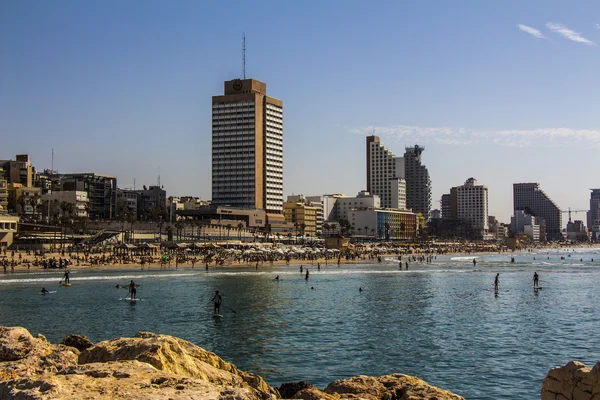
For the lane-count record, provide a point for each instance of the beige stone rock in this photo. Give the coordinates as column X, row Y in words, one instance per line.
column 387, row 387
column 573, row 381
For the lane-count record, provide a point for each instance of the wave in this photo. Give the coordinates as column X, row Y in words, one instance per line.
column 94, row 278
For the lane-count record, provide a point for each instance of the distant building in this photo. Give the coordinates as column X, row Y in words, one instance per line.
column 593, row 216
column 531, row 199
column 19, row 170
column 101, row 191
column 8, row 228
column 302, row 215
column 53, row 204
column 247, row 147
column 364, row 199
column 384, row 224
column 472, row 207
column 418, row 184
column 385, row 175
column 576, row 230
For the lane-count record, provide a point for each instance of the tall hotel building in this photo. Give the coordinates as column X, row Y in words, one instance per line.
column 472, row 206
column 385, row 175
column 531, row 199
column 247, row 147
column 418, row 184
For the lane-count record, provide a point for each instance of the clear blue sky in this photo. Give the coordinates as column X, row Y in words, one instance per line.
column 505, row 91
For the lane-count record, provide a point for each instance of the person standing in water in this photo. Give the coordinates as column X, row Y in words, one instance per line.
column 536, row 279
column 306, row 276
column 132, row 290
column 217, row 302
column 496, row 281
column 66, row 276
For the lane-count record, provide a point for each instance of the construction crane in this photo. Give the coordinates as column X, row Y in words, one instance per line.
column 573, row 211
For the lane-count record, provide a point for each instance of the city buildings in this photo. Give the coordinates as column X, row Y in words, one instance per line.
column 531, row 199
column 247, row 147
column 302, row 215
column 472, row 207
column 363, row 199
column 418, row 184
column 101, row 191
column 593, row 216
column 385, row 175
column 19, row 170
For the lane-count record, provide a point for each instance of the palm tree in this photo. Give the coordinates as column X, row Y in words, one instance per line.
column 359, row 230
column 366, row 230
column 131, row 219
column 303, row 227
column 229, row 227
column 240, row 226
column 373, row 232
column 402, row 229
column 326, row 227
column 178, row 229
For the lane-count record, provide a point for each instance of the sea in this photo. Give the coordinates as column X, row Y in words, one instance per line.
column 442, row 322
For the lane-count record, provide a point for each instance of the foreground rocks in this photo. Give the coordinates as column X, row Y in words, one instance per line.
column 574, row 381
column 153, row 366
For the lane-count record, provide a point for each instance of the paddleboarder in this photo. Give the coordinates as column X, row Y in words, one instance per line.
column 66, row 276
column 536, row 279
column 217, row 302
column 496, row 281
column 132, row 289
column 44, row 290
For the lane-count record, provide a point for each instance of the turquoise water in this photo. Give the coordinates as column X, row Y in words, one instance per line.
column 441, row 322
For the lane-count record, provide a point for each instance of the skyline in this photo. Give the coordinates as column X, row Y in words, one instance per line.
column 499, row 93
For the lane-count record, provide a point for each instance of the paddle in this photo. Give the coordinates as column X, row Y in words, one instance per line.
column 230, row 309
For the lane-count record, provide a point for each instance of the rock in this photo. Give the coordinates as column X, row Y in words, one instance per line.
column 387, row 387
column 78, row 341
column 573, row 381
column 288, row 390
column 151, row 367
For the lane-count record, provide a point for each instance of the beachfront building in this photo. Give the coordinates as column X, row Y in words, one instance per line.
column 472, row 207
column 24, row 201
column 385, row 174
column 302, row 215
column 127, row 204
column 418, row 184
column 531, row 199
column 313, row 201
column 247, row 147
column 384, row 224
column 151, row 203
column 364, row 199
column 19, row 170
column 101, row 191
column 68, row 204
column 593, row 216
column 8, row 228
column 3, row 194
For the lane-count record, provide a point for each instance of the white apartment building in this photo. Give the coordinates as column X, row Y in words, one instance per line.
column 364, row 199
column 385, row 174
column 472, row 206
column 247, row 147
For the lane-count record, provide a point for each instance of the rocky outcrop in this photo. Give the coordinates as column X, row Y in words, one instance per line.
column 152, row 366
column 574, row 381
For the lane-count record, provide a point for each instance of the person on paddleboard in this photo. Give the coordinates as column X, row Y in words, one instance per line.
column 44, row 291
column 66, row 276
column 496, row 281
column 217, row 302
column 132, row 289
column 536, row 279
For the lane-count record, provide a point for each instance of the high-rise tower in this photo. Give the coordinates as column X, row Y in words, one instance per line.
column 385, row 175
column 593, row 216
column 418, row 184
column 247, row 147
column 531, row 199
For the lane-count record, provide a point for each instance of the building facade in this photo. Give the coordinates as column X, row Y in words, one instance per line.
column 364, row 199
column 101, row 191
column 247, row 147
column 418, row 184
column 472, row 207
column 385, row 174
column 384, row 224
column 53, row 204
column 531, row 199
column 593, row 216
column 302, row 215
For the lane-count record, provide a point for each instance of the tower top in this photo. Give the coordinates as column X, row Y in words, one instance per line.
column 243, row 56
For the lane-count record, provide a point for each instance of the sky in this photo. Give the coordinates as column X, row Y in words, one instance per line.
column 504, row 91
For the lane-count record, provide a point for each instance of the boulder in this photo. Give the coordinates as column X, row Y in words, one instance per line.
column 387, row 387
column 288, row 390
column 78, row 341
column 573, row 381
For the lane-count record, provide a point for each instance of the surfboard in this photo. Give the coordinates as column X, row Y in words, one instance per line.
column 537, row 287
column 217, row 316
column 130, row 299
column 50, row 292
column 66, row 284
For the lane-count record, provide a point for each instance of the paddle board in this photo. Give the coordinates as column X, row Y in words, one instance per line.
column 66, row 284
column 130, row 299
column 217, row 316
column 50, row 292
column 537, row 287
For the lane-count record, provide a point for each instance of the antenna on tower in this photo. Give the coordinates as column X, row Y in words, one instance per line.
column 244, row 55
column 158, row 179
column 52, row 160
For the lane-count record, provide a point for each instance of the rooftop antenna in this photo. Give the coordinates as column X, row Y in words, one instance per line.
column 53, row 159
column 158, row 179
column 244, row 55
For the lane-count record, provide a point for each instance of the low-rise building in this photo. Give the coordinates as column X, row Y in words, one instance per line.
column 384, row 223
column 364, row 199
column 69, row 204
column 302, row 215
column 8, row 228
